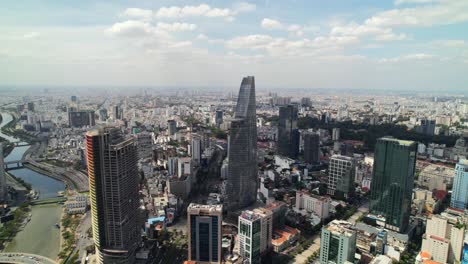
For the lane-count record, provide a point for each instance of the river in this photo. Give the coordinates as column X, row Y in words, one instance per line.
column 40, row 236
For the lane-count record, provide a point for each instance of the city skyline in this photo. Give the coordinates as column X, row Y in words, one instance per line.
column 352, row 45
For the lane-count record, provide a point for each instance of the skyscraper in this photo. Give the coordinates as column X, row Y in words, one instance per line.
column 341, row 174
column 288, row 134
column 171, row 127
column 3, row 186
column 219, row 118
column 460, row 186
column 338, row 243
column 117, row 112
column 241, row 187
column 336, row 134
column 204, row 229
column 196, row 148
column 311, row 147
column 392, row 181
column 113, row 187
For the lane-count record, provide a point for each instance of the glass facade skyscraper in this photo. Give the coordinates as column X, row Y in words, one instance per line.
column 288, row 134
column 241, row 186
column 311, row 147
column 460, row 186
column 393, row 181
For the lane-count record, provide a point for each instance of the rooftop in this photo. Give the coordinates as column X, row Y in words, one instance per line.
column 340, row 227
column 399, row 141
column 205, row 208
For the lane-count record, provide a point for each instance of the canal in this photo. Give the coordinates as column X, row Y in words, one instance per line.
column 40, row 236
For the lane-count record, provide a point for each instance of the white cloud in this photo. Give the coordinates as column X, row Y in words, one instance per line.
column 204, row 10
column 408, row 57
column 176, row 27
column 294, row 29
column 391, row 37
column 244, row 7
column 284, row 47
column 450, row 43
column 268, row 23
column 203, row 37
column 31, row 35
column 402, row 2
column 138, row 13
column 131, row 28
column 250, row 42
column 444, row 13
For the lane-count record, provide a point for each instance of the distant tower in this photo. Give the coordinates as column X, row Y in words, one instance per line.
column 117, row 113
column 393, row 181
column 219, row 118
column 171, row 127
column 336, row 134
column 311, row 148
column 288, row 134
column 241, row 187
column 113, row 186
column 196, row 148
column 3, row 184
column 460, row 186
column 204, row 229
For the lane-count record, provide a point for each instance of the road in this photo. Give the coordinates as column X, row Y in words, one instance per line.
column 24, row 258
column 82, row 234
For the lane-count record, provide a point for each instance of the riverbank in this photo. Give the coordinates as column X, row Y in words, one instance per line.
column 9, row 230
column 38, row 235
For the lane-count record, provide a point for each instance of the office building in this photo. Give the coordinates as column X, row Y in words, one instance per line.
column 196, row 148
column 288, row 134
column 341, row 172
column 460, row 186
column 3, row 184
column 427, row 127
column 219, row 118
column 103, row 114
column 117, row 113
column 338, row 243
column 81, row 118
column 392, row 182
column 113, row 186
column 255, row 234
column 310, row 203
column 31, row 107
column 204, row 230
column 171, row 127
column 305, row 102
column 336, row 134
column 242, row 182
column 311, row 147
column 145, row 145
column 444, row 239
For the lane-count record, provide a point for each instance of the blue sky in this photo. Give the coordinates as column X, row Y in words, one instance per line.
column 399, row 44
